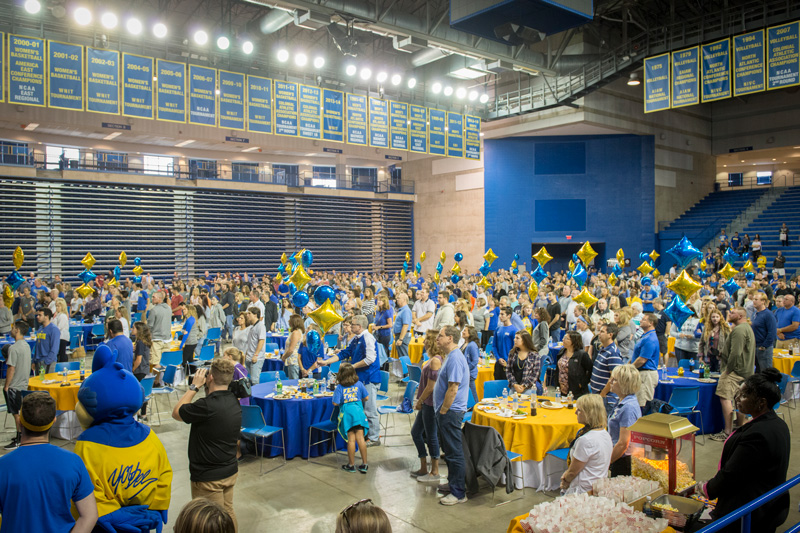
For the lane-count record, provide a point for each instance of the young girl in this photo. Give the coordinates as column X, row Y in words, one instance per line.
column 141, row 356
column 350, row 396
column 239, row 371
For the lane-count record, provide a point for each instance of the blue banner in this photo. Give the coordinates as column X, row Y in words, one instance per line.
column 398, row 115
column 455, row 135
column 437, row 142
column 656, row 83
column 202, row 95
column 749, row 69
column 418, row 129
column 310, row 112
column 357, row 119
column 333, row 115
column 716, row 70
column 65, row 72
column 26, row 71
column 783, row 56
column 686, row 77
column 259, row 104
column 285, row 108
column 231, row 100
column 102, row 81
column 137, row 86
column 472, row 137
column 378, row 123
column 171, row 91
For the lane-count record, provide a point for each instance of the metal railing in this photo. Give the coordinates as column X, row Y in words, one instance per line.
column 750, row 182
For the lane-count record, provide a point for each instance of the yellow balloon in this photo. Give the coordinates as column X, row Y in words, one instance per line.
column 586, row 253
column 703, row 264
column 300, row 277
column 586, row 298
column 621, row 258
column 489, row 256
column 748, row 266
column 442, row 256
column 408, row 256
column 645, row 268
column 19, row 257
column 728, row 271
column 436, row 277
column 85, row 290
column 422, row 257
column 656, row 273
column 514, row 263
column 113, row 282
column 325, row 316
column 299, row 258
column 456, row 269
column 278, row 278
column 88, row 261
column 402, row 274
column 284, row 258
column 684, row 286
column 533, row 290
column 123, row 258
column 485, row 283
column 138, row 270
column 762, row 261
column 612, row 279
column 542, row 256
column 8, row 296
column 654, row 255
column 571, row 265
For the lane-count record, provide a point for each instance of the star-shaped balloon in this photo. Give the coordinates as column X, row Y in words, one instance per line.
column 678, row 312
column 587, row 253
column 654, row 255
column 533, row 291
column 485, row 269
column 300, row 278
column 616, row 269
column 539, row 274
column 579, row 275
column 408, row 256
column 15, row 280
column 731, row 286
column 18, row 257
column 402, row 274
column 621, row 257
column 123, row 258
column 655, row 273
column 612, row 279
column 87, row 276
column 8, row 296
column 542, row 256
column 422, row 257
column 586, row 298
column 138, row 270
column 88, row 261
column 418, row 267
column 325, row 316
column 284, row 258
column 439, row 267
column 514, row 264
column 748, row 266
column 703, row 274
column 489, row 256
column 684, row 252
column 571, row 266
column 442, row 256
column 485, row 283
column 84, row 290
column 644, row 268
column 684, row 286
column 703, row 264
column 730, row 256
column 728, row 271
column 456, row 269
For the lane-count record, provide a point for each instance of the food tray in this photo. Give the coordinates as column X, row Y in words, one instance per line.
column 688, row 510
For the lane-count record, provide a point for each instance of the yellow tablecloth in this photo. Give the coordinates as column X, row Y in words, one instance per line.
column 414, row 351
column 66, row 397
column 670, row 344
column 514, row 526
column 485, row 373
column 786, row 363
column 533, row 437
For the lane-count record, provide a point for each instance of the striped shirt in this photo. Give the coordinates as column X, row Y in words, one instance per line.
column 606, row 360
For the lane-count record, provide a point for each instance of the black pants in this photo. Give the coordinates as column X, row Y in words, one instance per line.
column 486, row 336
column 62, row 351
column 140, row 377
column 499, row 370
column 621, row 467
column 188, row 357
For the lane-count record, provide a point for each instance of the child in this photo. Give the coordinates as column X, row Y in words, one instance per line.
column 350, row 396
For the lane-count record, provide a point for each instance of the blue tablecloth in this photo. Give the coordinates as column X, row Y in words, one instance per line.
column 295, row 417
column 272, row 365
column 279, row 339
column 554, row 350
column 708, row 404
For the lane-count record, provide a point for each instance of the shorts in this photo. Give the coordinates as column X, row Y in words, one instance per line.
column 13, row 400
column 156, row 350
column 647, row 390
column 728, row 385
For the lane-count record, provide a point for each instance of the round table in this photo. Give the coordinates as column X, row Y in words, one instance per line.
column 87, row 329
column 295, row 417
column 415, row 351
column 708, row 403
column 783, row 361
column 272, row 364
column 554, row 350
column 485, row 373
column 66, row 397
column 279, row 339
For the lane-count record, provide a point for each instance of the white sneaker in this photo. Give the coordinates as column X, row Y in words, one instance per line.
column 428, row 478
column 452, row 500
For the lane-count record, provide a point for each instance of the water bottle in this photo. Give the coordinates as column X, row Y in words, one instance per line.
column 558, row 394
column 41, row 371
column 534, row 403
column 648, row 507
column 83, row 364
column 505, row 397
column 279, row 386
column 515, row 404
column 569, row 400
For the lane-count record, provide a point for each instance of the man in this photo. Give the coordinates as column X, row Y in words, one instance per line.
column 736, row 242
column 255, row 301
column 554, row 310
column 606, row 360
column 228, row 302
column 26, row 307
column 401, row 327
column 422, row 313
column 503, row 342
column 48, row 341
column 788, row 318
column 778, row 264
column 363, row 354
column 782, row 289
column 271, row 311
column 122, row 344
column 450, row 396
column 663, row 325
column 216, row 422
column 646, row 358
column 723, row 242
column 446, row 315
column 648, row 295
column 737, row 357
column 18, row 363
column 39, row 482
column 159, row 318
column 256, row 340
column 722, row 302
column 765, row 330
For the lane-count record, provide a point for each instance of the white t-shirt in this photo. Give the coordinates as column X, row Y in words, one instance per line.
column 594, row 449
column 420, row 309
column 587, row 337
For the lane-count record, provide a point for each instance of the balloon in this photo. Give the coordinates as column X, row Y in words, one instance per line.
column 283, row 288
column 616, row 269
column 418, row 267
column 439, row 267
column 455, row 278
column 325, row 316
column 571, row 265
column 284, row 258
column 569, row 275
column 313, row 341
column 18, row 257
column 748, row 266
column 307, row 258
column 436, row 277
column 644, row 256
column 87, row 276
column 422, row 257
column 542, row 256
column 647, row 281
column 621, row 257
column 408, row 257
column 88, row 260
column 678, row 312
column 539, row 274
column 15, row 280
column 513, row 264
column 484, row 283
column 137, row 261
column 731, row 286
column 750, row 276
column 8, row 296
column 644, row 268
column 489, row 256
column 113, row 282
column 442, row 256
column 533, row 291
column 123, row 258
column 587, row 253
column 515, row 270
column 281, row 268
column 324, row 292
column 300, row 299
column 459, row 256
column 293, row 262
column 703, row 274
column 612, row 279
column 656, row 273
column 730, row 256
column 485, row 269
column 579, row 275
column 292, row 288
column 456, row 269
column 278, row 278
column 402, row 274
column 300, row 278
column 405, row 266
column 684, row 286
column 703, row 264
column 516, row 257
column 654, row 255
column 136, row 279
column 575, row 259
column 684, row 252
column 84, row 290
column 138, row 270
column 298, row 257
column 586, row 298
column 728, row 271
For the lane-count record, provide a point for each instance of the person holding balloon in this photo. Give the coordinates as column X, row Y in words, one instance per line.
column 310, row 350
column 291, row 355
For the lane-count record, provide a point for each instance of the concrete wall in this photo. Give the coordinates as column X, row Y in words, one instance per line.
column 763, row 120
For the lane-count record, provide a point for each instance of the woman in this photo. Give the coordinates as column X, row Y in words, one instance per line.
column 239, row 371
column 687, row 337
column 195, row 299
column 626, row 338
column 425, row 429
column 241, row 332
column 284, row 315
column 291, row 354
column 574, row 366
column 368, row 307
column 363, row 517
column 175, row 303
column 755, row 457
column 479, row 318
column 523, row 366
column 203, row 328
column 602, row 314
column 756, row 247
column 625, row 383
column 61, row 320
column 582, row 327
column 191, row 335
column 121, row 314
column 461, row 322
column 473, row 355
column 141, row 357
column 541, row 333
column 384, row 319
column 590, row 452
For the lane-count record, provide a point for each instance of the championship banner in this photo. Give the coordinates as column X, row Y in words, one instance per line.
column 102, row 81
column 26, row 71
column 418, row 129
column 357, row 119
column 65, row 72
column 437, row 142
column 259, row 104
column 686, row 77
column 716, row 61
column 310, row 115
column 171, row 91
column 656, row 83
column 332, row 115
column 748, row 63
column 472, row 137
column 202, row 96
column 398, row 113
column 137, row 86
column 378, row 123
column 231, row 100
column 783, row 56
column 455, row 135
column 285, row 108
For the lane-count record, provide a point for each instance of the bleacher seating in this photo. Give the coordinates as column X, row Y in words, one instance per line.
column 785, row 209
column 718, row 208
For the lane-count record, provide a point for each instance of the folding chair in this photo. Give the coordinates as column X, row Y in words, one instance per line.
column 206, row 355
column 265, row 377
column 785, row 379
column 98, row 332
column 494, row 389
column 411, row 390
column 510, row 456
column 213, row 336
column 415, row 373
column 470, row 404
column 270, row 347
column 169, row 385
column 147, row 385
column 330, row 427
column 335, row 367
column 254, row 425
column 684, row 401
column 560, row 453
column 384, row 388
column 405, row 361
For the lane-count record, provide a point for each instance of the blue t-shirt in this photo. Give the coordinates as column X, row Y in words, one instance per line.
column 37, row 485
column 516, row 321
column 141, row 303
column 504, row 341
column 626, row 412
column 381, row 319
column 353, row 393
column 124, row 348
column 402, row 318
column 472, row 353
column 647, row 348
column 494, row 315
column 648, row 295
column 785, row 318
column 454, row 370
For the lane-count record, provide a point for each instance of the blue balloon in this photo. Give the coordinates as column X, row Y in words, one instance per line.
column 644, row 256
column 646, row 281
column 418, row 267
column 137, row 279
column 516, row 257
column 617, row 270
column 300, row 299
column 515, row 270
column 455, row 278
column 293, row 261
column 324, row 292
column 405, row 266
column 703, row 274
column 281, row 269
column 730, row 256
column 137, row 261
column 86, row 276
column 15, row 280
column 684, row 253
column 439, row 267
column 459, row 256
column 677, row 311
column 539, row 274
column 485, row 269
column 579, row 275
column 313, row 342
column 307, row 258
column 576, row 259
column 731, row 286
column 569, row 275
column 117, row 272
column 283, row 288
column 292, row 288
column 750, row 276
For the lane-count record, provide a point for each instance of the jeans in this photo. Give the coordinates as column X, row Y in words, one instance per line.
column 254, row 369
column 763, row 358
column 425, row 429
column 450, row 438
column 474, row 389
column 371, row 410
column 386, row 341
column 228, row 326
column 403, row 348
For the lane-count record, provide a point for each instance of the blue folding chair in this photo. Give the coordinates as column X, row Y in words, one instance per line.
column 335, row 367
column 405, row 361
column 75, row 337
column 70, row 366
column 411, row 390
column 213, row 336
column 98, row 332
column 330, row 427
column 136, row 317
column 489, row 347
column 560, row 453
column 171, row 358
column 415, row 373
column 470, row 404
column 684, row 402
column 785, row 379
column 494, row 389
column 169, row 385
column 270, row 347
column 384, row 388
column 147, row 386
column 254, row 425
column 206, row 355
column 266, row 377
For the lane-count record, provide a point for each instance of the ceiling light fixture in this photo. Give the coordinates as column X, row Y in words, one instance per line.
column 381, row 77
column 109, row 20
column 396, row 79
column 473, row 95
column 200, row 37
column 32, row 126
column 82, row 16
column 484, row 98
column 247, row 47
column 251, row 149
column 633, row 80
column 436, row 88
column 350, row 70
column 33, row 6
column 412, row 82
column 111, row 136
column 223, row 42
column 160, row 30
column 365, row 73
column 283, row 55
column 319, row 62
column 300, row 59
column 461, row 93
column 183, row 143
column 134, row 26
column 448, row 91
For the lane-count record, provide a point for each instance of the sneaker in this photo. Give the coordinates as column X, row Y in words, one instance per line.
column 444, row 488
column 363, row 469
column 418, row 473
column 719, row 437
column 429, row 478
column 371, row 443
column 349, row 468
column 452, row 500
column 13, row 445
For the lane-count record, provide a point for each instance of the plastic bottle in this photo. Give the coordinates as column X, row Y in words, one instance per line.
column 41, row 371
column 534, row 403
column 515, row 404
column 279, row 386
column 83, row 363
column 505, row 397
column 316, row 387
column 569, row 400
column 647, row 509
column 558, row 394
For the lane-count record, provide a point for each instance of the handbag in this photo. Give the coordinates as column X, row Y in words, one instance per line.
column 241, row 388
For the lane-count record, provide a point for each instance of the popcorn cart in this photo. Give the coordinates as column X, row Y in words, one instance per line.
column 663, row 450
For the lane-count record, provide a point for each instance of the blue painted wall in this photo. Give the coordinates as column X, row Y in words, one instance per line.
column 595, row 188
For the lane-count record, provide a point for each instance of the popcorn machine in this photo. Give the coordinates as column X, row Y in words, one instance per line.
column 663, row 450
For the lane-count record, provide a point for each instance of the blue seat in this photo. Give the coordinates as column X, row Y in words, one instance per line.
column 384, row 388
column 75, row 337
column 684, row 402
column 206, row 355
column 266, row 377
column 169, row 386
column 795, row 381
column 213, row 335
column 332, row 340
column 410, row 392
column 560, row 453
column 470, row 404
column 494, row 389
column 70, row 366
column 171, row 358
column 254, row 425
column 147, row 385
column 98, row 332
column 489, row 347
column 330, row 427
column 415, row 373
column 335, row 367
column 136, row 317
column 686, row 364
column 405, row 361
column 270, row 347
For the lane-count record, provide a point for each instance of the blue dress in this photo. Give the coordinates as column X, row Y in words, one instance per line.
column 351, row 408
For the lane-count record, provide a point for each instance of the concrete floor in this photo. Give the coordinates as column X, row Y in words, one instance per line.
column 307, row 497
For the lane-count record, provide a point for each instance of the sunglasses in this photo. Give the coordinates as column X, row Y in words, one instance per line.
column 347, row 509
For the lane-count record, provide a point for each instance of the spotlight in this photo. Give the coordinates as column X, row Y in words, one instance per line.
column 448, row 91
column 350, row 70
column 247, row 47
column 473, row 95
column 365, row 73
column 461, row 93
column 484, row 98
column 33, row 6
column 109, row 21
column 82, row 16
column 634, row 79
column 283, row 55
column 412, row 82
column 396, row 79
column 319, row 62
column 134, row 26
column 437, row 88
column 160, row 30
column 300, row 59
column 381, row 77
column 200, row 37
column 223, row 43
